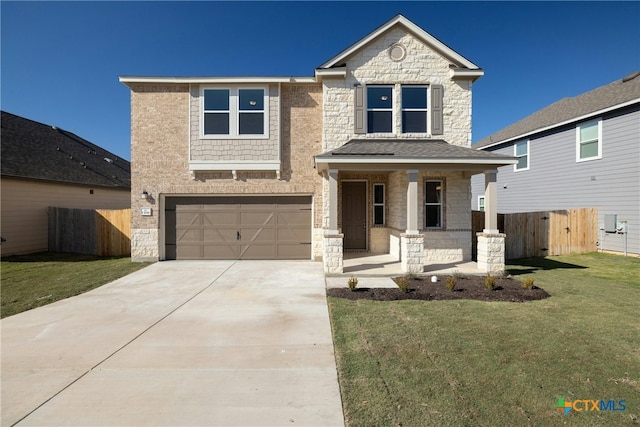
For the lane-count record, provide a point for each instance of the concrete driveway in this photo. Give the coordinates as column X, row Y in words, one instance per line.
column 207, row 343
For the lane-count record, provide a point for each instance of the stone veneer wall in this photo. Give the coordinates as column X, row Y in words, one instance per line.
column 372, row 65
column 160, row 137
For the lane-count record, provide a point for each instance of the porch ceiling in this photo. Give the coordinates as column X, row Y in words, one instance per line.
column 395, row 154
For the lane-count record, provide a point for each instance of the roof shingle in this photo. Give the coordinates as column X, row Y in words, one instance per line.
column 34, row 150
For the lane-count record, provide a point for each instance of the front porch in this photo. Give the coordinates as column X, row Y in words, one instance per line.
column 366, row 264
column 422, row 219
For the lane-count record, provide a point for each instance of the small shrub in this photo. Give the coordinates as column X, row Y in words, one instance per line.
column 490, row 282
column 456, row 274
column 352, row 283
column 451, row 283
column 403, row 283
column 527, row 283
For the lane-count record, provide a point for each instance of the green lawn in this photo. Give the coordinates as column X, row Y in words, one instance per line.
column 30, row 281
column 419, row 363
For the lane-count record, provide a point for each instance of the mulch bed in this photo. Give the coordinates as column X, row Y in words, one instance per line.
column 468, row 287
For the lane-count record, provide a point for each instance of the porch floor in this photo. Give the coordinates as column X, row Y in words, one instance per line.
column 376, row 270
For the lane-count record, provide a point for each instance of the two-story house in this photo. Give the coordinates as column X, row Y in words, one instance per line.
column 579, row 152
column 370, row 154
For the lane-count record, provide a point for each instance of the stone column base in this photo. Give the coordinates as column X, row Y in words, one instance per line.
column 412, row 253
column 332, row 256
column 491, row 252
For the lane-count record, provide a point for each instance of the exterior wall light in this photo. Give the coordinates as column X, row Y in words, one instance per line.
column 144, row 195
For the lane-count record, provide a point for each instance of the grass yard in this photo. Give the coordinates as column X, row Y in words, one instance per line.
column 421, row 363
column 30, row 281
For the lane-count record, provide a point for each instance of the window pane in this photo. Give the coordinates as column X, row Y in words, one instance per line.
column 433, row 216
column 379, row 121
column 378, row 215
column 216, row 124
column 521, row 148
column 414, row 97
column 378, row 194
column 589, row 149
column 216, row 99
column 414, row 121
column 251, row 124
column 379, row 97
column 523, row 162
column 589, row 132
column 251, row 99
column 481, row 204
column 434, row 192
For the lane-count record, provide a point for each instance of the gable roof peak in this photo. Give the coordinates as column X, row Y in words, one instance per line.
column 422, row 35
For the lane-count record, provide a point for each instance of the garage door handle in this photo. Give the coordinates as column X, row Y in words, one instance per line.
column 237, row 235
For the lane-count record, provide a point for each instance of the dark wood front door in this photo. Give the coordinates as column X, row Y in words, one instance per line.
column 354, row 215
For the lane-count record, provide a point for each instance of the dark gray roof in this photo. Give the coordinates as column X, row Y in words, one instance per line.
column 402, row 148
column 34, row 150
column 616, row 93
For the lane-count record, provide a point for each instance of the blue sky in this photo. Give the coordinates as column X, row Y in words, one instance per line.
column 60, row 61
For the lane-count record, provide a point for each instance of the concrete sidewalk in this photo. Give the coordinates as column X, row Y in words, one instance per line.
column 206, row 343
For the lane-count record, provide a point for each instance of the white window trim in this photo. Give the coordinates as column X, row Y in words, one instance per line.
column 384, row 214
column 515, row 151
column 481, row 206
column 441, row 204
column 426, row 110
column 394, row 97
column 234, row 113
column 578, row 142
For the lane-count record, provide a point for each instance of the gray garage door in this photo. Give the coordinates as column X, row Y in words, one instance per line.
column 238, row 227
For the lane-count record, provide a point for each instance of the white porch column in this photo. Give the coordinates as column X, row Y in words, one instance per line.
column 332, row 247
column 332, row 174
column 412, row 241
column 491, row 245
column 490, row 202
column 412, row 202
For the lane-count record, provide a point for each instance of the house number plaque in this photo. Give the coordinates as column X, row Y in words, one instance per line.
column 145, row 211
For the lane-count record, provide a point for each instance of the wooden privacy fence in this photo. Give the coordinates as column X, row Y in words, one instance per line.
column 99, row 232
column 544, row 233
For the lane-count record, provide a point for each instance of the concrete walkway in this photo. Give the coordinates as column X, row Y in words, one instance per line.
column 207, row 343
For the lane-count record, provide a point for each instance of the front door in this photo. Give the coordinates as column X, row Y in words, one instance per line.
column 354, row 215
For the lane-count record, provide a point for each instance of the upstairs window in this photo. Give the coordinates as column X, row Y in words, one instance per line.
column 589, row 141
column 419, row 110
column 414, row 109
column 379, row 109
column 235, row 112
column 521, row 151
column 433, row 204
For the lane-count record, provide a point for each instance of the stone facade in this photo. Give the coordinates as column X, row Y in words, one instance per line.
column 491, row 252
column 333, row 253
column 372, row 65
column 412, row 253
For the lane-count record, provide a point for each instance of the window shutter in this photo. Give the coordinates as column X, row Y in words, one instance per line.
column 437, row 127
column 359, row 106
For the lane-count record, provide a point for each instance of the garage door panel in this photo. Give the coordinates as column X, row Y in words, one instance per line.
column 258, row 218
column 220, row 251
column 258, row 235
column 220, row 218
column 220, row 235
column 269, row 227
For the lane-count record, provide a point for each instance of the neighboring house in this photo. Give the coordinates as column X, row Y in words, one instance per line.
column 580, row 152
column 46, row 166
column 373, row 153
